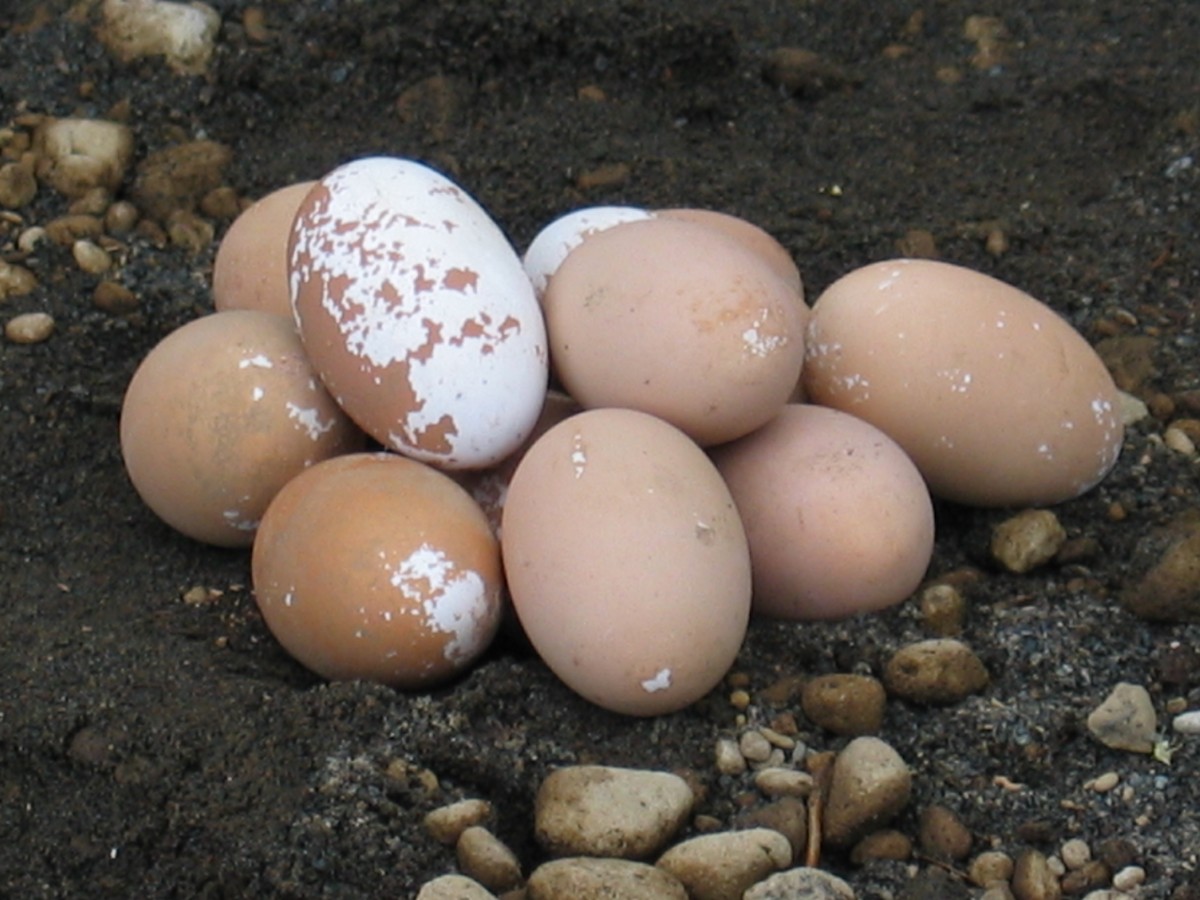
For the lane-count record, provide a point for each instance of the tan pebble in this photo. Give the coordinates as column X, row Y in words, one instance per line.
column 1129, row 878
column 943, row 609
column 1091, row 875
column 1175, row 706
column 723, row 866
column 15, row 281
column 114, row 298
column 28, row 239
column 446, row 823
column 996, row 242
column 917, row 243
column 152, row 232
column 76, row 155
column 738, row 679
column 1033, row 879
column 778, row 739
column 739, row 699
column 1075, row 853
column 706, row 824
column 93, row 202
column 775, row 759
column 604, row 176
column 66, row 230
column 121, row 217
column 729, row 759
column 29, row 328
column 1027, row 540
column 990, row 867
column 188, row 230
column 1102, row 784
column 1187, row 722
column 221, row 203
column 942, row 834
column 1126, row 720
column 940, row 670
column 18, row 186
column 802, row 882
column 886, row 844
column 1167, row 560
column 998, row 892
column 609, row 811
column 783, row 691
column 183, row 34
column 869, row 786
column 781, row 782
column 1190, row 427
column 1177, row 440
column 845, row 704
column 754, row 746
column 91, row 258
column 175, row 178
column 1056, row 865
column 586, row 878
column 787, row 815
column 483, row 856
column 454, row 887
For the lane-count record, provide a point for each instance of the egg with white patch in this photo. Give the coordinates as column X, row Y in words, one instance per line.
column 555, row 241
column 377, row 567
column 417, row 313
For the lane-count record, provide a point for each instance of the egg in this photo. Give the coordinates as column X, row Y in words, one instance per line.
column 626, row 561
column 551, row 245
column 676, row 319
column 838, row 518
column 378, row 567
column 219, row 416
column 749, row 235
column 250, row 268
column 417, row 313
column 997, row 399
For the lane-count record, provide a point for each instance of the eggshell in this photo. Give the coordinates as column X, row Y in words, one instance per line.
column 626, row 561
column 749, row 235
column 677, row 320
column 417, row 314
column 838, row 518
column 996, row 398
column 250, row 269
column 378, row 567
column 219, row 416
column 551, row 245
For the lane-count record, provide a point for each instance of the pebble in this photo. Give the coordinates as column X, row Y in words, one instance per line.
column 29, row 328
column 942, row 834
column 1091, row 875
column 1125, row 720
column 586, row 878
column 1169, row 558
column 845, row 704
column 787, row 815
column 447, row 823
column 90, row 257
column 1027, row 540
column 1176, row 439
column 940, row 670
column 777, row 781
column 15, row 281
column 754, row 747
column 870, row 784
column 1102, row 784
column 943, row 609
column 1075, row 853
column 483, row 856
column 989, row 868
column 1033, row 879
column 728, row 758
column 454, row 887
column 1187, row 722
column 76, row 155
column 997, row 892
column 184, row 34
column 801, row 884
column 66, row 230
column 723, row 866
column 609, row 811
column 18, row 186
column 177, row 177
column 115, row 298
column 885, row 844
column 121, row 217
column 28, row 240
column 1129, row 878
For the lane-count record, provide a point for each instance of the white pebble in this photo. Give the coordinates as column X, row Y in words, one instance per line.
column 1102, row 784
column 91, row 258
column 729, row 759
column 29, row 328
column 755, row 747
column 1129, row 878
column 1187, row 723
column 1075, row 854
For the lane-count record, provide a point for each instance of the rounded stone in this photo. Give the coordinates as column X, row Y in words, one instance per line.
column 1126, row 720
column 801, row 884
column 1027, row 540
column 725, row 865
column 845, row 704
column 942, row 833
column 484, row 857
column 1033, row 879
column 989, row 868
column 936, row 671
column 886, row 844
column 869, row 785
column 586, row 878
column 454, row 887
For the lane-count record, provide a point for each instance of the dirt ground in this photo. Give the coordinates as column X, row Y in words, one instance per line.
column 152, row 746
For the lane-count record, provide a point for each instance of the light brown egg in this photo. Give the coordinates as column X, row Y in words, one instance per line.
column 219, row 416
column 997, row 399
column 378, row 567
column 626, row 561
column 677, row 320
column 250, row 269
column 838, row 518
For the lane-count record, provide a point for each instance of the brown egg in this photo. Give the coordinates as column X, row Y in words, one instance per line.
column 626, row 561
column 378, row 567
column 219, row 416
column 996, row 398
column 250, row 269
column 838, row 519
column 677, row 320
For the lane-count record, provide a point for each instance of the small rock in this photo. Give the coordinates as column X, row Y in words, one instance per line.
column 723, row 866
column 998, row 892
column 943, row 609
column 1027, row 540
column 15, row 281
column 869, row 785
column 454, row 887
column 1090, row 876
column 1187, row 722
column 484, row 857
column 66, row 230
column 121, row 217
column 447, row 823
column 91, row 258
column 754, row 746
column 1125, row 720
column 184, row 34
column 942, row 834
column 608, row 811
column 1130, row 358
column 76, row 155
column 1169, row 558
column 1116, row 853
column 886, row 844
column 29, row 328
column 1129, row 878
column 18, row 186
column 1033, row 879
column 845, row 704
column 176, row 177
column 989, row 868
column 940, row 670
column 934, row 884
column 729, row 759
column 780, row 782
column 585, row 878
column 1177, row 439
column 788, row 816
column 1075, row 853
column 1102, row 784
column 801, row 884
column 114, row 298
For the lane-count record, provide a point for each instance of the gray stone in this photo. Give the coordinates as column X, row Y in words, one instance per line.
column 454, row 887
column 869, row 785
column 585, row 878
column 801, row 884
column 1027, row 540
column 1125, row 720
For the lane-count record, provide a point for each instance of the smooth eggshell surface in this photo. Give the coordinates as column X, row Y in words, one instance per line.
column 551, row 245
column 626, row 561
column 417, row 314
column 838, row 518
column 995, row 397
column 219, row 416
column 378, row 567
column 749, row 235
column 676, row 319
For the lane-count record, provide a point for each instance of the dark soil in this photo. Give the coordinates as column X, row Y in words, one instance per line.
column 154, row 747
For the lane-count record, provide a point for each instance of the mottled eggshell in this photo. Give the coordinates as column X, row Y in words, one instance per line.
column 378, row 567
column 677, row 320
column 250, row 270
column 219, row 416
column 838, row 518
column 551, row 245
column 417, row 314
column 749, row 235
column 626, row 561
column 996, row 398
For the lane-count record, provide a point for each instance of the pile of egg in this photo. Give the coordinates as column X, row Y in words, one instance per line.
column 371, row 408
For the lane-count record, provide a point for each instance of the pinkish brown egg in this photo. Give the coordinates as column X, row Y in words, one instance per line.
column 219, row 416
column 417, row 314
column 378, row 567
column 555, row 241
column 749, row 235
column 996, row 398
column 838, row 519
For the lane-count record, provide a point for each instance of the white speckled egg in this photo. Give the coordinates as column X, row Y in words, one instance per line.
column 417, row 313
column 551, row 245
